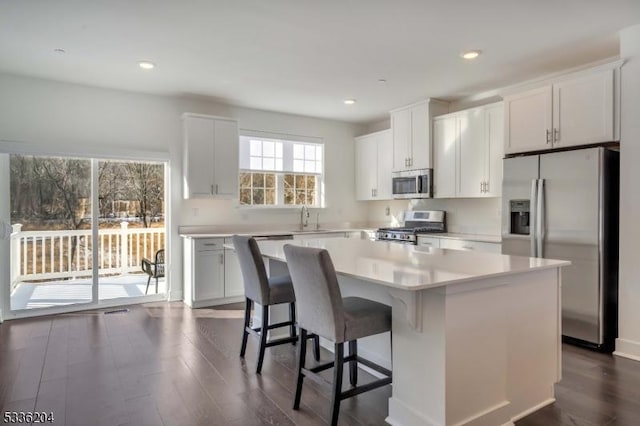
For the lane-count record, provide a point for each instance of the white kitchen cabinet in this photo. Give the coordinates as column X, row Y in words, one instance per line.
column 207, row 269
column 494, row 128
column 212, row 274
column 444, row 153
column 233, row 281
column 210, row 158
column 577, row 110
column 433, row 242
column 411, row 134
column 528, row 118
column 472, row 153
column 374, row 162
column 583, row 111
column 468, row 151
column 448, row 243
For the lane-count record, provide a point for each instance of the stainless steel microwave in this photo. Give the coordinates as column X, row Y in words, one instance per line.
column 412, row 184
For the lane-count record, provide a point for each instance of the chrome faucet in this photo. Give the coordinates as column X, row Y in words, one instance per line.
column 304, row 217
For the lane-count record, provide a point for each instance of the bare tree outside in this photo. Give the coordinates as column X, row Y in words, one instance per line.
column 54, row 194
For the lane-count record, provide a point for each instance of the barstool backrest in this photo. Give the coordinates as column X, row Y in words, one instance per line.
column 318, row 295
column 254, row 274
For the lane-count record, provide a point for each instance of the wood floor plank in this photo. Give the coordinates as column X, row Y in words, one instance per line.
column 165, row 364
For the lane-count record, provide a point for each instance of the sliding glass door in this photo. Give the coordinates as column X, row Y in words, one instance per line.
column 83, row 231
column 51, row 250
column 131, row 229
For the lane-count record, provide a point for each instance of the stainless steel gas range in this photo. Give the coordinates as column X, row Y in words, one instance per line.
column 415, row 222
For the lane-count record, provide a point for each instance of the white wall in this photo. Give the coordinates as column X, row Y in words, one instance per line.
column 62, row 117
column 464, row 215
column 628, row 343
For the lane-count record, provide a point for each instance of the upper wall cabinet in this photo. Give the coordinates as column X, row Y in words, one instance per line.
column 210, row 157
column 374, row 161
column 578, row 110
column 468, row 151
column 411, row 130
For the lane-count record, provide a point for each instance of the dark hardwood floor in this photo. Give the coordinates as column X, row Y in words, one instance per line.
column 164, row 364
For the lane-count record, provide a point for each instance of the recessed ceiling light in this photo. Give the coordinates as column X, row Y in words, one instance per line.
column 146, row 65
column 382, row 81
column 349, row 101
column 59, row 51
column 471, row 54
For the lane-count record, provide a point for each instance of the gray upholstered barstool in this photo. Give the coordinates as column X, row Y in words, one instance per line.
column 323, row 311
column 265, row 291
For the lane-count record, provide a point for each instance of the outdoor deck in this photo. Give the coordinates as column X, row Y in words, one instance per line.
column 28, row 295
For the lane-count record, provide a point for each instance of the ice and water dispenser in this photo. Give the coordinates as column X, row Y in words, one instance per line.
column 519, row 212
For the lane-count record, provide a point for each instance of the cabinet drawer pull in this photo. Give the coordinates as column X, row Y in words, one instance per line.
column 467, row 247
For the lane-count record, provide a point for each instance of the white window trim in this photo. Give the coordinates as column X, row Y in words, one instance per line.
column 288, row 159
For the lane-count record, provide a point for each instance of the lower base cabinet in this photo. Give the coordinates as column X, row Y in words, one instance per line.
column 211, row 273
column 233, row 283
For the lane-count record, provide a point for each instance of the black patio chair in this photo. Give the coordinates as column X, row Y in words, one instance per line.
column 154, row 269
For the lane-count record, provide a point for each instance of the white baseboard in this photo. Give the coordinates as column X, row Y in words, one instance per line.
column 627, row 349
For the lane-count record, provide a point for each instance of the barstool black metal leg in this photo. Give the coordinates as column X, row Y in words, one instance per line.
column 292, row 318
column 148, row 281
column 156, row 285
column 301, row 361
column 263, row 337
column 337, row 383
column 316, row 348
column 353, row 365
column 245, row 333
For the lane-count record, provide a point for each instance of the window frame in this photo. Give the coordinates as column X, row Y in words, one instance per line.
column 288, row 143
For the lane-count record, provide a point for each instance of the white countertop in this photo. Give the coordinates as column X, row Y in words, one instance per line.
column 409, row 267
column 204, row 232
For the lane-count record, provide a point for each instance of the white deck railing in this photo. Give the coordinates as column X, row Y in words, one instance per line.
column 47, row 255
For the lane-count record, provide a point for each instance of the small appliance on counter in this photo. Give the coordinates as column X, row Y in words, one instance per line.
column 412, row 184
column 415, row 222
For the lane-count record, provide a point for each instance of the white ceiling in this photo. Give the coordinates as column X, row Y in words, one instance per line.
column 303, row 56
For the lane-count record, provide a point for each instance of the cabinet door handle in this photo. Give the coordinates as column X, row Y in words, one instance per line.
column 222, row 258
column 548, row 136
column 211, row 189
column 216, row 188
column 556, row 134
column 375, row 192
column 410, row 162
column 372, row 192
column 486, row 186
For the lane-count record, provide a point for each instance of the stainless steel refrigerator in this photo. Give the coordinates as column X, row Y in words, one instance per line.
column 564, row 205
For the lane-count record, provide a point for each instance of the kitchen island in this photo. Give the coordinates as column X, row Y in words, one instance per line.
column 476, row 336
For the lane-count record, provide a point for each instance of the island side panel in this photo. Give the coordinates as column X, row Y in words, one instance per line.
column 419, row 364
column 535, row 362
column 488, row 352
column 502, row 347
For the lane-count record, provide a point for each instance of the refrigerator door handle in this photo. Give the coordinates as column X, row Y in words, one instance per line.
column 540, row 224
column 533, row 234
